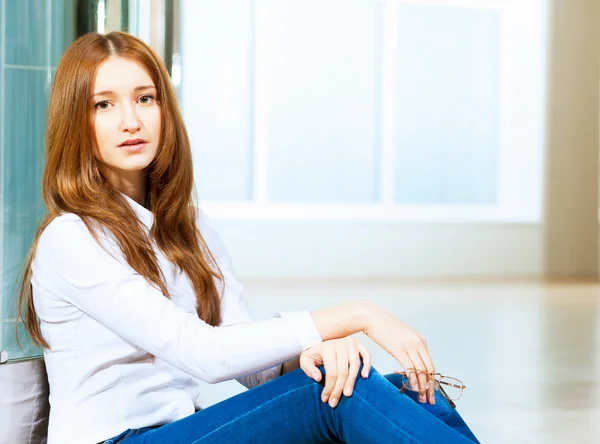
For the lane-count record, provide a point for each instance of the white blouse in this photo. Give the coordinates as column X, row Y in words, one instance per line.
column 105, row 324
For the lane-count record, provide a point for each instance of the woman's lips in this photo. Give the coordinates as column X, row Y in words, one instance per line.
column 133, row 148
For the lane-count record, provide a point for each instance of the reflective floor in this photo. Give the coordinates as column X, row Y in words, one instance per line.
column 527, row 352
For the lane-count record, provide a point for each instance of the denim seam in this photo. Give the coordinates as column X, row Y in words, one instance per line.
column 129, row 435
column 247, row 413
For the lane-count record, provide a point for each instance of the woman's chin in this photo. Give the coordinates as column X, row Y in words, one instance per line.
column 135, row 164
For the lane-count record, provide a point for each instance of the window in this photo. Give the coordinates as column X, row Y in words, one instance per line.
column 421, row 110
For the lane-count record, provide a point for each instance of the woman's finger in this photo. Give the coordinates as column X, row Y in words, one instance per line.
column 366, row 359
column 310, row 360
column 330, row 364
column 342, row 375
column 408, row 367
column 421, row 373
column 310, row 368
column 354, row 367
column 426, row 357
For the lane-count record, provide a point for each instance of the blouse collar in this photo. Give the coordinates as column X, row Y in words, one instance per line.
column 142, row 213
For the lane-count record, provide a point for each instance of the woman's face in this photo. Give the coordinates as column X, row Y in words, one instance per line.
column 126, row 118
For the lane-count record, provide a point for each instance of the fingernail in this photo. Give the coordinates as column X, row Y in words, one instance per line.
column 333, row 403
column 324, row 398
column 422, row 398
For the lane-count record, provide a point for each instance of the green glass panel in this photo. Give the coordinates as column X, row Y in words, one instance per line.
column 26, row 96
column 34, row 37
column 38, row 31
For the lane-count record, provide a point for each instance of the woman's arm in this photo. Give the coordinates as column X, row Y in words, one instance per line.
column 72, row 267
column 333, row 322
column 336, row 322
column 342, row 320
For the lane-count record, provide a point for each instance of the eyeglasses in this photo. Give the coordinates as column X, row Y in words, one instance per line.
column 450, row 388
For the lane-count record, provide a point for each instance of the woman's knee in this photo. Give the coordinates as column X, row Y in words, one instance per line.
column 395, row 379
column 360, row 368
column 441, row 403
column 374, row 377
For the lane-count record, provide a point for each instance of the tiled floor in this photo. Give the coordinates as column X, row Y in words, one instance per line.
column 527, row 352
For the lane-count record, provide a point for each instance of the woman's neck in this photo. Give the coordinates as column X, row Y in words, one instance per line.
column 135, row 192
column 130, row 183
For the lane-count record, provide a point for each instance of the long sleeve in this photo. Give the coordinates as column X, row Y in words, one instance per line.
column 73, row 267
column 235, row 308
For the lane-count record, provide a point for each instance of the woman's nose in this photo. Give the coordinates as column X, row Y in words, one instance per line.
column 129, row 119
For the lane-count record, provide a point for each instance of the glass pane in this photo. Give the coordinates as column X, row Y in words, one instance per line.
column 26, row 97
column 36, row 34
column 38, row 31
column 216, row 91
column 447, row 105
column 324, row 74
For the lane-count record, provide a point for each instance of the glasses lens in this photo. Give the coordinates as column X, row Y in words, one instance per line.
column 452, row 387
column 406, row 383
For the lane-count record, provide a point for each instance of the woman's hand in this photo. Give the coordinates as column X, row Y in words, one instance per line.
column 406, row 345
column 341, row 359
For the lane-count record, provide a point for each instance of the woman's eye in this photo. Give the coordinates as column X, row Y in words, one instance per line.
column 102, row 105
column 145, row 100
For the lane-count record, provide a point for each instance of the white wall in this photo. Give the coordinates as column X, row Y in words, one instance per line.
column 292, row 249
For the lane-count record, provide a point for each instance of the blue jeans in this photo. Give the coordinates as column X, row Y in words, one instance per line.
column 289, row 409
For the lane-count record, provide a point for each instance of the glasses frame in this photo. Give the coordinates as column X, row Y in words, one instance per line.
column 436, row 378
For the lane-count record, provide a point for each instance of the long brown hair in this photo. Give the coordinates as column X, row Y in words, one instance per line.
column 72, row 181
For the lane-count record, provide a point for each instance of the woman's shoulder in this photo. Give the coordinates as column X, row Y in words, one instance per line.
column 65, row 234
column 63, row 224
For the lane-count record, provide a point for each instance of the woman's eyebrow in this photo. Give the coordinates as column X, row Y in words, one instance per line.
column 111, row 93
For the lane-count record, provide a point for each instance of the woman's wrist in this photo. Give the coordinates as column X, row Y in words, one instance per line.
column 366, row 313
column 343, row 320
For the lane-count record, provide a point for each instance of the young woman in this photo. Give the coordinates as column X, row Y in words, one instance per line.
column 133, row 296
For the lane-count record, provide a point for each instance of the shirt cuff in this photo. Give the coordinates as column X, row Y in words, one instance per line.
column 303, row 327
